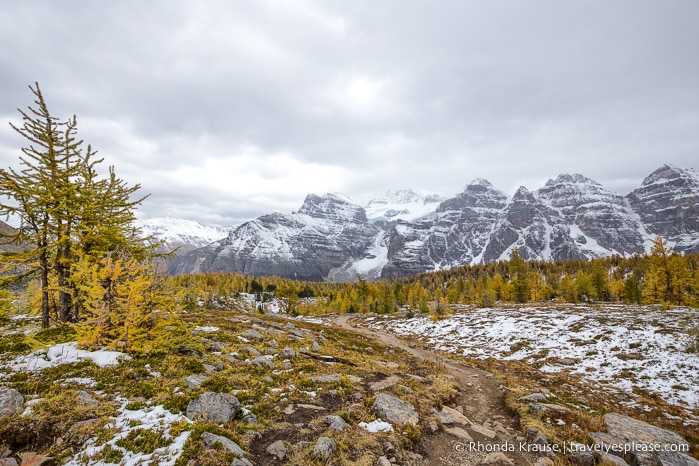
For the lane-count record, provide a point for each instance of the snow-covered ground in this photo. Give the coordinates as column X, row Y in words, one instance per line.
column 64, row 353
column 151, row 418
column 616, row 348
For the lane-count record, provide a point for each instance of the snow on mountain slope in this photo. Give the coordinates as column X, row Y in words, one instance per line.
column 404, row 204
column 327, row 233
column 571, row 217
column 667, row 203
column 177, row 232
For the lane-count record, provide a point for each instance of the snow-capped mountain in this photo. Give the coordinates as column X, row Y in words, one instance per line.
column 668, row 205
column 404, row 204
column 320, row 241
column 178, row 233
column 403, row 233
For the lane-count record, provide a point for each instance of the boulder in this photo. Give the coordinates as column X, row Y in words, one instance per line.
column 395, row 410
column 277, row 449
column 335, row 422
column 262, row 361
column 625, row 430
column 210, row 440
column 549, row 408
column 11, row 402
column 325, row 447
column 214, row 407
column 326, row 378
column 254, row 334
column 195, row 381
column 86, row 399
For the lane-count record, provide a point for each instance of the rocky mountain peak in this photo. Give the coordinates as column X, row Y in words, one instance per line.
column 479, row 193
column 478, row 183
column 672, row 174
column 575, row 178
column 668, row 204
column 523, row 195
column 572, row 216
column 400, row 196
column 334, row 207
column 575, row 190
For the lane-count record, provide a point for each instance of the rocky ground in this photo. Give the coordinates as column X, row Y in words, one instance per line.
column 239, row 388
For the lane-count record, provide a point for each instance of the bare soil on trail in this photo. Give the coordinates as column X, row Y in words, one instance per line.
column 483, row 403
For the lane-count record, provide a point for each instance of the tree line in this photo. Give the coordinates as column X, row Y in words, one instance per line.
column 660, row 277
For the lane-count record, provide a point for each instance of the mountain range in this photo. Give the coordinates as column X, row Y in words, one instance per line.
column 404, row 233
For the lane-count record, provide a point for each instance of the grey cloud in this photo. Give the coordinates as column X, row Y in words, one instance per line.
column 510, row 91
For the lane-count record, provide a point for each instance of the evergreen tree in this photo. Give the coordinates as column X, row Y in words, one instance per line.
column 519, row 281
column 75, row 220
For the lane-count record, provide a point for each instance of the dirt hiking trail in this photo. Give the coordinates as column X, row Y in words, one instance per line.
column 482, row 403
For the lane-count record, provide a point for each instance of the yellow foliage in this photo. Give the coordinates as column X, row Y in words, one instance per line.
column 123, row 300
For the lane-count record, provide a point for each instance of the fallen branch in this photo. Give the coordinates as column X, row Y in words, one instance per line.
column 324, row 358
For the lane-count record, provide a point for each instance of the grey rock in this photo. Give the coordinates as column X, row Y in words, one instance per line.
column 536, row 437
column 214, row 407
column 326, row 378
column 262, row 361
column 216, row 347
column 86, row 398
column 383, row 461
column 445, row 417
column 498, row 458
column 288, row 353
column 534, row 397
column 8, row 462
column 433, row 426
column 544, row 462
column 623, row 429
column 325, row 447
column 610, row 459
column 395, row 410
column 549, row 408
column 459, row 433
column 583, row 458
column 233, row 358
column 250, row 418
column 252, row 351
column 335, row 422
column 210, row 440
column 316, row 347
column 254, row 334
column 195, row 381
column 241, row 462
column 277, row 449
column 11, row 402
column 484, row 431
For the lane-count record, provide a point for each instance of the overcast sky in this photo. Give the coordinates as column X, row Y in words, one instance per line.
column 226, row 110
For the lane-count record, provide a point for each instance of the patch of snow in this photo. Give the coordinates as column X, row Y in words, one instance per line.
column 153, row 418
column 64, row 353
column 206, row 329
column 617, row 348
column 376, row 426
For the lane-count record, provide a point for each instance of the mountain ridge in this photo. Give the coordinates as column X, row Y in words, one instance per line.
column 570, row 217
